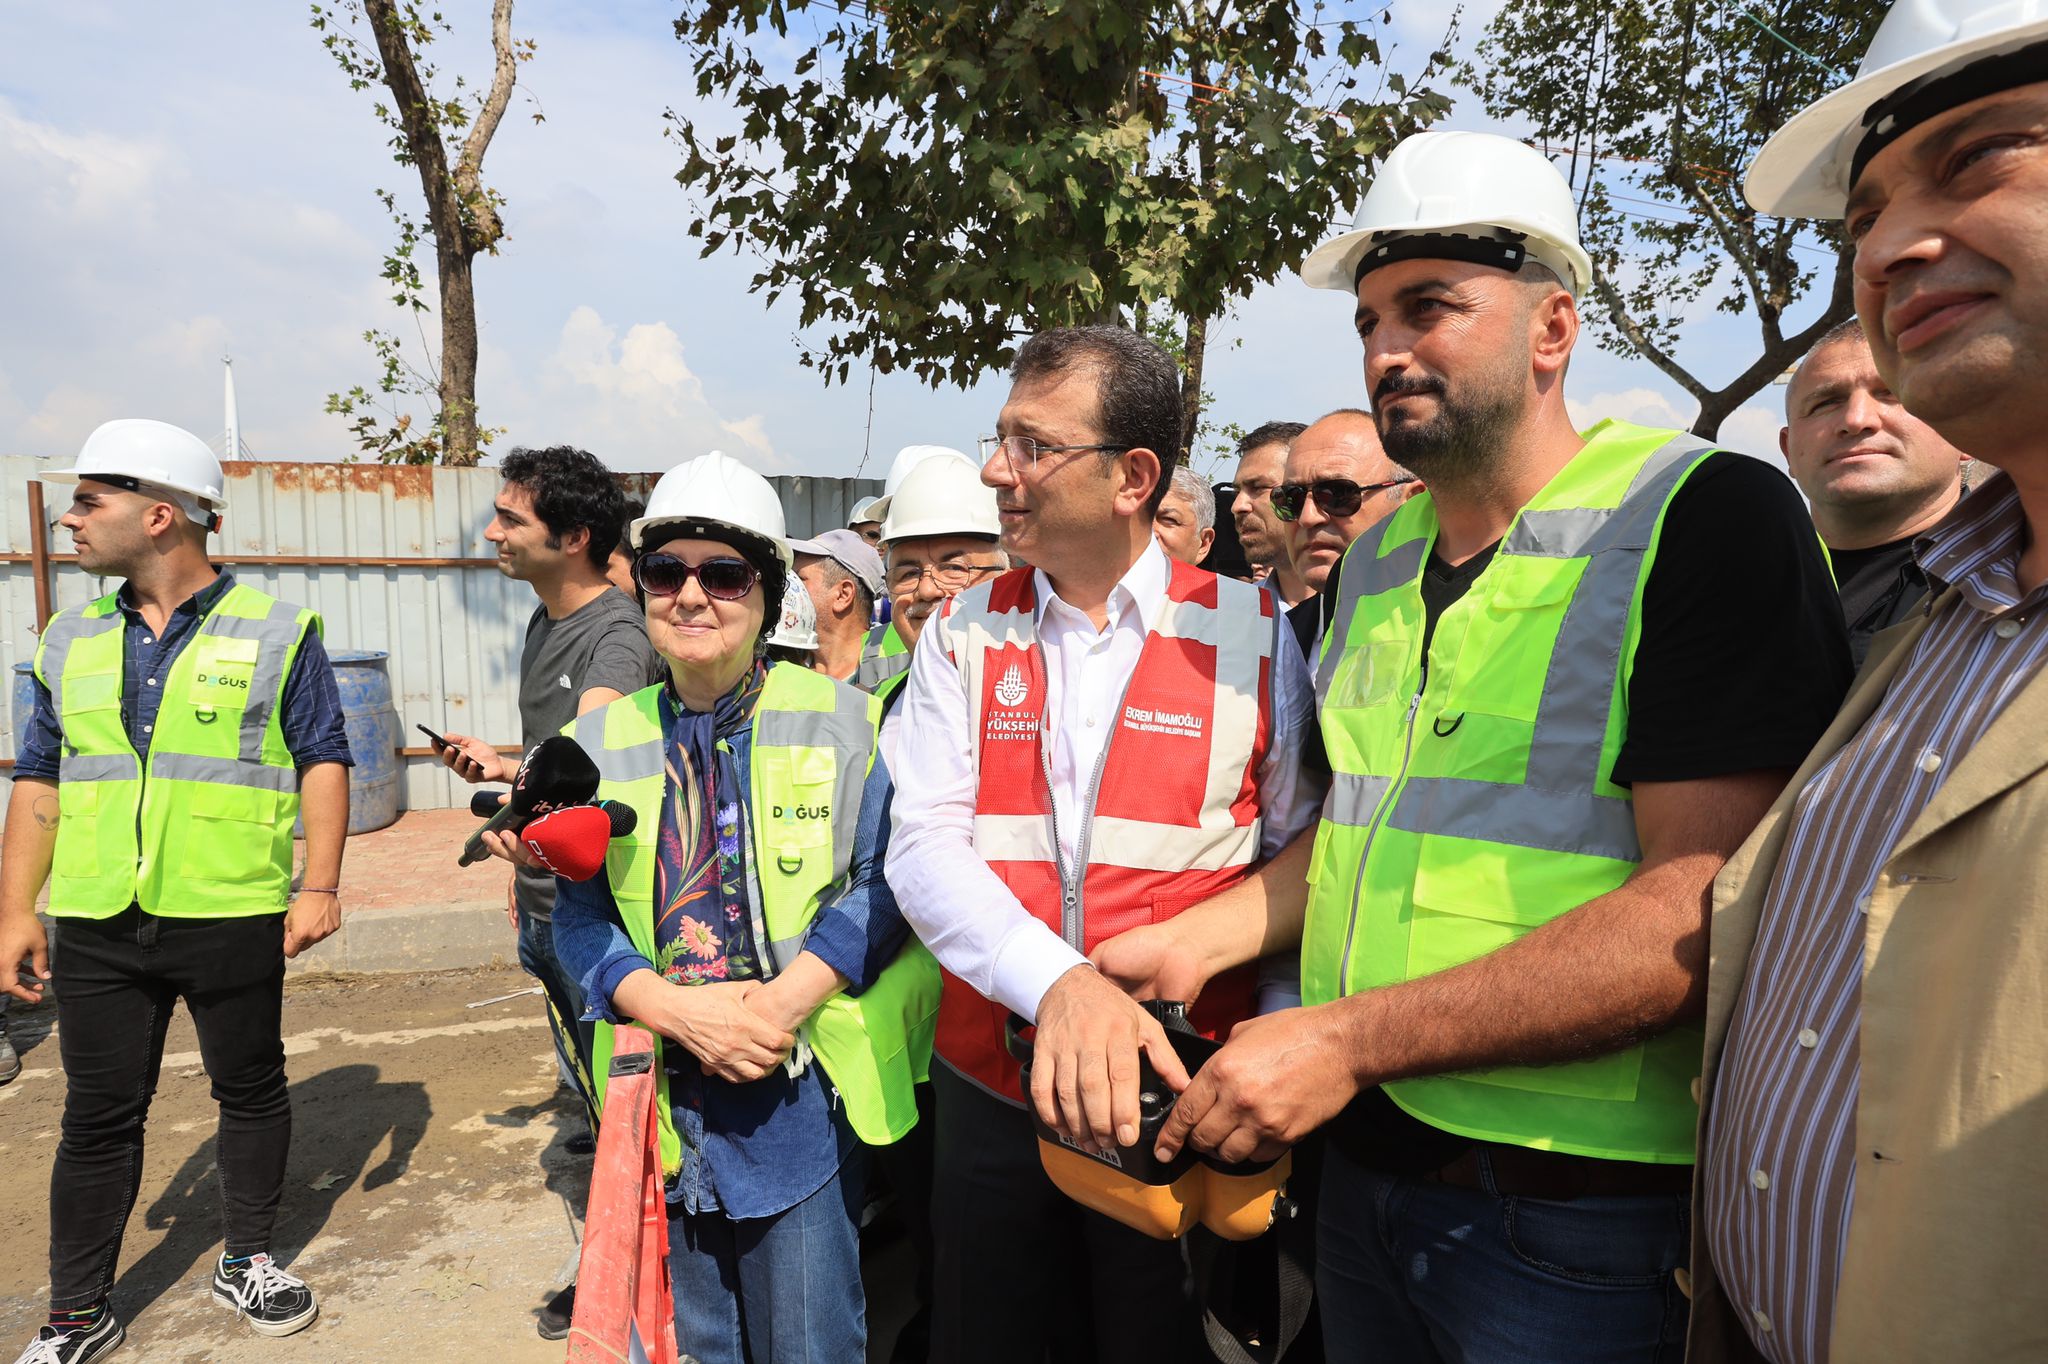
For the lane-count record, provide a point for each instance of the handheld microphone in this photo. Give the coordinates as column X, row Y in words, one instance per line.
column 484, row 804
column 556, row 773
column 571, row 843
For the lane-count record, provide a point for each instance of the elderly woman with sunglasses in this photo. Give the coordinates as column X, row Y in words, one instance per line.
column 746, row 922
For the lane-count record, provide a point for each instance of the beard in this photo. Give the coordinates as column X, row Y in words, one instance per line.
column 1465, row 440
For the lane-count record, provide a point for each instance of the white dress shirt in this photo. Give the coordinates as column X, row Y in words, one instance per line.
column 970, row 920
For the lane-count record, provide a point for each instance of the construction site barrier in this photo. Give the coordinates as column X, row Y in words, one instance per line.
column 625, row 1313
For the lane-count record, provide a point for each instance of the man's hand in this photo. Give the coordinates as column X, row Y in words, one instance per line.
column 314, row 915
column 512, row 902
column 1278, row 1079
column 1084, row 1078
column 1151, row 962
column 473, row 760
column 507, row 843
column 24, row 957
column 714, row 1022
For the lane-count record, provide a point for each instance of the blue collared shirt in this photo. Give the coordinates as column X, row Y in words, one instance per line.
column 756, row 1149
column 310, row 715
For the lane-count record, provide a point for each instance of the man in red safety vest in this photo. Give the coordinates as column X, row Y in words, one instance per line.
column 1088, row 745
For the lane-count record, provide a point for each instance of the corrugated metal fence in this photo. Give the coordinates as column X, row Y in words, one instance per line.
column 393, row 558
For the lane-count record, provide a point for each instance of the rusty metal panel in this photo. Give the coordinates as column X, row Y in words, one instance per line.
column 453, row 634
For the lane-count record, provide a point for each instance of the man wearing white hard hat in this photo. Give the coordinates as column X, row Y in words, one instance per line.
column 1557, row 690
column 887, row 652
column 182, row 723
column 1088, row 743
column 1875, row 1067
column 863, row 521
column 746, row 922
column 942, row 537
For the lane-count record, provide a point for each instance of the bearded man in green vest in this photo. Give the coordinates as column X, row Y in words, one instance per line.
column 1557, row 691
column 181, row 724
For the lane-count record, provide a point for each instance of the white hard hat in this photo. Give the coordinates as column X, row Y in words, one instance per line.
column 1459, row 196
column 798, row 627
column 1915, row 69
column 907, row 459
column 714, row 496
column 864, row 510
column 135, row 449
column 942, row 497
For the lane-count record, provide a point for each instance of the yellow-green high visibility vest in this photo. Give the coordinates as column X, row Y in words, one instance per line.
column 883, row 655
column 814, row 742
column 203, row 828
column 1470, row 800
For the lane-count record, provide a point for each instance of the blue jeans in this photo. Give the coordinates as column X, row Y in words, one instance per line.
column 773, row 1290
column 575, row 1039
column 1416, row 1272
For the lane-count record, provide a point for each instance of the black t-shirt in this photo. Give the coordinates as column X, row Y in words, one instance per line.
column 1742, row 663
column 1880, row 586
column 1305, row 618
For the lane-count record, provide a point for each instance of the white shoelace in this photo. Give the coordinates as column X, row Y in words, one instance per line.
column 42, row 1352
column 258, row 1280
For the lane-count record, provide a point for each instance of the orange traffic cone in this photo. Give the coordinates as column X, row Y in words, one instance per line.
column 625, row 1313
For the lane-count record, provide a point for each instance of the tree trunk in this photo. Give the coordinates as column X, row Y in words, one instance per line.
column 1193, row 350
column 458, row 358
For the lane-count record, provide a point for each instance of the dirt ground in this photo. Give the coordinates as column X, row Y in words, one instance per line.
column 430, row 1200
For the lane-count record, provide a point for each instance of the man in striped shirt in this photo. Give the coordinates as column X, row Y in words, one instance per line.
column 1869, row 1183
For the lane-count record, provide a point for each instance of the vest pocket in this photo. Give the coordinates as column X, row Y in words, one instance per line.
column 78, row 843
column 1509, row 633
column 1454, row 924
column 1370, row 674
column 231, row 833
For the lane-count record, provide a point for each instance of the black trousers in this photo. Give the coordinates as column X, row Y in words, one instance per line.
column 116, row 982
column 1025, row 1275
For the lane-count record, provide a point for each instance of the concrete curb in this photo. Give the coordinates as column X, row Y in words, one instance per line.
column 415, row 938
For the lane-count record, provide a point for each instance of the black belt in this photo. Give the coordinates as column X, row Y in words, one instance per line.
column 1520, row 1172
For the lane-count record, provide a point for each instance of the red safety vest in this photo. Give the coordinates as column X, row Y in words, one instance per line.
column 1175, row 817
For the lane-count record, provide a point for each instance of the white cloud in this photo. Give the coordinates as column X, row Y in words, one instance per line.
column 635, row 401
column 1643, row 406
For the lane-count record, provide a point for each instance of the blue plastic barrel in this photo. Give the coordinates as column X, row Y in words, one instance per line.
column 373, row 737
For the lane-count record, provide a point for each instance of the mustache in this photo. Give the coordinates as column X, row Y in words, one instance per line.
column 1404, row 385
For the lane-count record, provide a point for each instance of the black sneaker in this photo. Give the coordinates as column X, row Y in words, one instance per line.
column 555, row 1317
column 273, row 1302
column 52, row 1346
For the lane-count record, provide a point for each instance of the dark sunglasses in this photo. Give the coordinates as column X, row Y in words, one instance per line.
column 663, row 575
column 1334, row 496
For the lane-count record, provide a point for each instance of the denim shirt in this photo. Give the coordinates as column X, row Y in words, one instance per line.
column 754, row 1149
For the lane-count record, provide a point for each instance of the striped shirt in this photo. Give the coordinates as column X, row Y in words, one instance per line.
column 1778, row 1176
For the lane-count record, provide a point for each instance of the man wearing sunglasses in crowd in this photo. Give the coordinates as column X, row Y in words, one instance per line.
column 555, row 522
column 1087, row 744
column 1339, row 484
column 1262, row 467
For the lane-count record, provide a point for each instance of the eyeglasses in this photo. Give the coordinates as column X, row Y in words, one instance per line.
column 1022, row 452
column 663, row 575
column 1334, row 496
column 949, row 577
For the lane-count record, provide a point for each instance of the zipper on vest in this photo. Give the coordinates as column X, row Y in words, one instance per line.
column 1372, row 832
column 1072, row 925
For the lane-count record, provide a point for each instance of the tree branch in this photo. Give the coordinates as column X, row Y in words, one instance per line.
column 469, row 170
column 1617, row 310
column 422, row 136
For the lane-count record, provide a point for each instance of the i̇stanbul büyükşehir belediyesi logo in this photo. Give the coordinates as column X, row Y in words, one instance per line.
column 1011, row 688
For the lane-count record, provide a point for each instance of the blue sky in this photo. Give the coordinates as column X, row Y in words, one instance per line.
column 185, row 182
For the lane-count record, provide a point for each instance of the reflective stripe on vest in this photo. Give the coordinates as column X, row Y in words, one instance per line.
column 883, row 655
column 1174, row 815
column 813, row 741
column 208, row 833
column 1471, row 802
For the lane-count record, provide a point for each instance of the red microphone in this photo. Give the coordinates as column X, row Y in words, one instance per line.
column 571, row 843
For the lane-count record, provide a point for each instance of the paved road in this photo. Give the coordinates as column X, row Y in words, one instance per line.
column 430, row 1200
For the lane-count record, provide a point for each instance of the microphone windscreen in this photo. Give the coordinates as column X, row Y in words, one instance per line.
column 556, row 773
column 484, row 804
column 570, row 843
column 624, row 817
